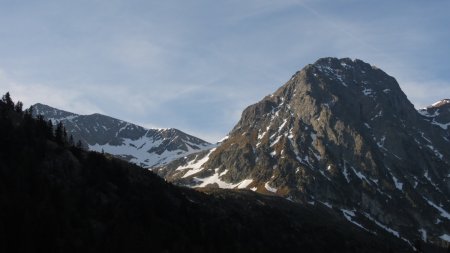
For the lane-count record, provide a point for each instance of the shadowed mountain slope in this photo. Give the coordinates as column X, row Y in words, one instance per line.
column 339, row 133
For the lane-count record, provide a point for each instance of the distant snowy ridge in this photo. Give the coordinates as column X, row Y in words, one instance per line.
column 130, row 142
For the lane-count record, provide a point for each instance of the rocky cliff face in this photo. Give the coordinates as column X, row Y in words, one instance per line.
column 130, row 142
column 340, row 133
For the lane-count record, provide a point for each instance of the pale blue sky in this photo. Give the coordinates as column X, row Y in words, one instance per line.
column 195, row 65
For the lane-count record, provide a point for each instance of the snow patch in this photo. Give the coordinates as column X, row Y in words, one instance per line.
column 276, row 140
column 445, row 237
column 386, row 228
column 195, row 166
column 380, row 143
column 346, row 174
column 379, row 114
column 223, row 139
column 313, row 137
column 360, row 175
column 431, row 181
column 332, row 74
column 326, row 204
column 443, row 126
column 245, row 183
column 368, row 92
column 349, row 215
column 425, row 138
column 443, row 212
column 269, row 188
column 215, row 179
column 423, row 234
column 282, row 125
column 398, row 184
column 291, row 134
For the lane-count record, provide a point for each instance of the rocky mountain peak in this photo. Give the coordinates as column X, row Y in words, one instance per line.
column 52, row 113
column 342, row 133
column 335, row 87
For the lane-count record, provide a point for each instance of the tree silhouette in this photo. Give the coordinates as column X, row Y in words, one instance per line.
column 8, row 101
column 79, row 144
column 65, row 138
column 71, row 142
column 49, row 134
column 18, row 107
column 59, row 133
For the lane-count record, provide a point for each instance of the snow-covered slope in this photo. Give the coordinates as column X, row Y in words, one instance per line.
column 145, row 147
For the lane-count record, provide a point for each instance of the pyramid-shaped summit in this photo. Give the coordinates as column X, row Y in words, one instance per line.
column 341, row 133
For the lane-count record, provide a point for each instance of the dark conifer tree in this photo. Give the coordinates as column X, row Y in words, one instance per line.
column 40, row 118
column 50, row 135
column 41, row 126
column 59, row 133
column 8, row 101
column 71, row 142
column 79, row 144
column 18, row 107
column 28, row 120
column 65, row 138
column 29, row 111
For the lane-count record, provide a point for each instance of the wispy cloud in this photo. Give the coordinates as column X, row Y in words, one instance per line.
column 401, row 43
column 195, row 65
column 61, row 97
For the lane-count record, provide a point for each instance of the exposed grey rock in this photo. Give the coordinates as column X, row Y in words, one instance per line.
column 340, row 132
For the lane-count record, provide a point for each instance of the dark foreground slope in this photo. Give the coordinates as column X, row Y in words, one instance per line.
column 57, row 198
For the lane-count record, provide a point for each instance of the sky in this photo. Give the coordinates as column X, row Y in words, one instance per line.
column 196, row 64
